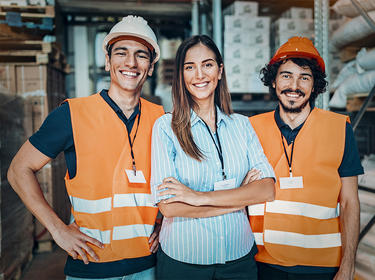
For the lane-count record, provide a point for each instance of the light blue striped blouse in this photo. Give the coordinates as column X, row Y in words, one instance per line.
column 215, row 239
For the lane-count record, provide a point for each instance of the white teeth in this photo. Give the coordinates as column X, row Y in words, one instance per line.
column 129, row 73
column 292, row 95
column 201, row 85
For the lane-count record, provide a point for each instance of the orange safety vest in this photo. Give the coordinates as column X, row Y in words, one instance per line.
column 105, row 205
column 301, row 226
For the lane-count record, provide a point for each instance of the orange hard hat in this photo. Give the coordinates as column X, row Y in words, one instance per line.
column 298, row 47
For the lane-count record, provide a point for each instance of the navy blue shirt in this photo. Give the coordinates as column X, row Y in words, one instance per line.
column 56, row 135
column 350, row 166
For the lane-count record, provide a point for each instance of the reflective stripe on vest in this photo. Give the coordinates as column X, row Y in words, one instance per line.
column 103, row 236
column 132, row 231
column 91, row 206
column 132, row 200
column 258, row 236
column 294, row 208
column 119, row 233
column 300, row 240
column 104, row 204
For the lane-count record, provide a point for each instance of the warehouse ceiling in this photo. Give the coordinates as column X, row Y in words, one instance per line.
column 167, row 8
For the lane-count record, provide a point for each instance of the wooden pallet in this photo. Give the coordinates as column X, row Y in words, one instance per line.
column 24, row 56
column 15, row 33
column 29, row 11
column 355, row 101
column 24, row 45
column 29, row 51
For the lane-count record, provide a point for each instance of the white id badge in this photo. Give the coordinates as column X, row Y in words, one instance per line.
column 225, row 184
column 291, row 182
column 138, row 178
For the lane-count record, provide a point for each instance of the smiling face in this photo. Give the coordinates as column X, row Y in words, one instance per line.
column 201, row 73
column 129, row 66
column 293, row 85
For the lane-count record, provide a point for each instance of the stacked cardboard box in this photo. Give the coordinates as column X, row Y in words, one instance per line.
column 42, row 88
column 293, row 22
column 246, row 47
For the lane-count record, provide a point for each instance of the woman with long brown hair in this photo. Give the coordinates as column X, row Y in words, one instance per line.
column 201, row 154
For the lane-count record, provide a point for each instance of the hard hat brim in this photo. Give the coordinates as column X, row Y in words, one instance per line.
column 114, row 35
column 283, row 56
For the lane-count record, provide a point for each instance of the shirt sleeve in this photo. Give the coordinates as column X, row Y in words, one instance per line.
column 55, row 134
column 163, row 154
column 351, row 163
column 257, row 158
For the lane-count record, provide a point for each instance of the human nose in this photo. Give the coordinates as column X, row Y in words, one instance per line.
column 293, row 84
column 130, row 61
column 199, row 73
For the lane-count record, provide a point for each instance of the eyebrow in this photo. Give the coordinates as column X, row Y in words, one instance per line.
column 126, row 49
column 303, row 74
column 209, row 59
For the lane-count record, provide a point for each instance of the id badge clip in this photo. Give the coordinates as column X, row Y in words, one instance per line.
column 135, row 176
column 291, row 182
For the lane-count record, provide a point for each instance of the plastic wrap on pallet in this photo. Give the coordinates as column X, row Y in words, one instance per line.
column 366, row 59
column 357, row 83
column 368, row 179
column 41, row 89
column 348, row 70
column 351, row 31
column 346, row 7
column 16, row 221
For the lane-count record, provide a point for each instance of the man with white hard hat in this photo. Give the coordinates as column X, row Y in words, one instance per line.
column 106, row 141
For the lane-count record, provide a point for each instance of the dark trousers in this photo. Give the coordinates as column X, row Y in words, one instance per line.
column 267, row 272
column 241, row 269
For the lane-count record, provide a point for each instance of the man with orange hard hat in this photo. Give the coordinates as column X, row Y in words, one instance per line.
column 106, row 139
column 310, row 230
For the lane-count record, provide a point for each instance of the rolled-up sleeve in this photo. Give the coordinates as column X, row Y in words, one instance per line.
column 162, row 155
column 257, row 158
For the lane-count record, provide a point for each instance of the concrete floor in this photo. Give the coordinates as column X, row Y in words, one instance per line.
column 46, row 266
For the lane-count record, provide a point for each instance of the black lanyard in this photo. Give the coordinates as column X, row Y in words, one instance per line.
column 286, row 155
column 218, row 146
column 131, row 143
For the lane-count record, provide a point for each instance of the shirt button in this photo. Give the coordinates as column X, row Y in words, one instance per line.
column 221, row 237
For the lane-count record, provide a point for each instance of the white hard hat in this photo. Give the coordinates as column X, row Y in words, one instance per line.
column 133, row 26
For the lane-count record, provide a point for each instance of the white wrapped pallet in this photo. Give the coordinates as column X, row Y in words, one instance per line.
column 298, row 13
column 348, row 70
column 346, row 7
column 247, row 22
column 368, row 179
column 244, row 66
column 351, row 31
column 357, row 83
column 293, row 25
column 247, row 38
column 234, row 51
column 366, row 59
column 240, row 8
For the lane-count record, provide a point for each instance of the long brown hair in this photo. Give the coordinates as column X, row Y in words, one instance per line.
column 183, row 102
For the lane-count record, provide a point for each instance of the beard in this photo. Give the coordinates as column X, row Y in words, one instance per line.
column 288, row 108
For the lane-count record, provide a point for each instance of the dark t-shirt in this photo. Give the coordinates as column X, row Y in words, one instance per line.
column 350, row 166
column 56, row 135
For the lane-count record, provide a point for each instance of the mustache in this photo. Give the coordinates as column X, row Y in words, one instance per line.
column 296, row 91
